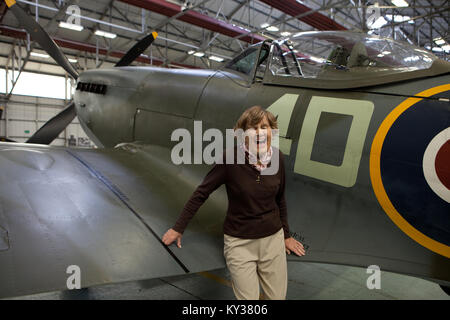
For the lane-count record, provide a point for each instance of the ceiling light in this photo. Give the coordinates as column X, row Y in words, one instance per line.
column 400, row 3
column 398, row 18
column 446, row 48
column 73, row 60
column 70, row 26
column 317, row 59
column 380, row 55
column 191, row 51
column 199, row 54
column 378, row 23
column 386, row 52
column 285, row 34
column 439, row 41
column 272, row 29
column 218, row 59
column 105, row 34
column 40, row 55
column 411, row 59
column 437, row 49
column 265, row 25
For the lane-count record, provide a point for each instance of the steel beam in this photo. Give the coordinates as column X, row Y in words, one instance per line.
column 316, row 19
column 19, row 34
column 195, row 18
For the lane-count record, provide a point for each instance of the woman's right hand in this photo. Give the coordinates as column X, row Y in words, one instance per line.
column 170, row 236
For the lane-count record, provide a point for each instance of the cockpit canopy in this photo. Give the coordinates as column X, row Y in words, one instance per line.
column 333, row 55
column 336, row 59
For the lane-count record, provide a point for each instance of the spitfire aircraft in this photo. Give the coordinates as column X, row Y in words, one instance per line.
column 364, row 124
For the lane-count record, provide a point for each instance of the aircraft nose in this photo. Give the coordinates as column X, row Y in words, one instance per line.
column 102, row 101
column 88, row 93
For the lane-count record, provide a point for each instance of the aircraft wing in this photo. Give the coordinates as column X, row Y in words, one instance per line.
column 103, row 210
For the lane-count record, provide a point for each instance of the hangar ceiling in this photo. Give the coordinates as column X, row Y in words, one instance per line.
column 218, row 29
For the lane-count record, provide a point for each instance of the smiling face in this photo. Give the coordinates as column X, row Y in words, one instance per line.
column 255, row 126
column 258, row 137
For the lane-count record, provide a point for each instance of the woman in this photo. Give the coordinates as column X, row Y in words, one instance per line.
column 256, row 231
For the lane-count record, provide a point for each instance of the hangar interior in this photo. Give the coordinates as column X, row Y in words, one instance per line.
column 201, row 34
column 192, row 34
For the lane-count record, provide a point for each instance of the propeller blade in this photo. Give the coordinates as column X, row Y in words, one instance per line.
column 40, row 36
column 136, row 50
column 4, row 139
column 53, row 127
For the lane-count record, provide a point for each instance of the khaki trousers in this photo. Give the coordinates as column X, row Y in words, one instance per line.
column 257, row 261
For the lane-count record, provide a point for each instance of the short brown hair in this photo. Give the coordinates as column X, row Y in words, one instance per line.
column 254, row 115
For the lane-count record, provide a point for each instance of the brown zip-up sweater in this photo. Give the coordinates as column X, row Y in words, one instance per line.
column 256, row 203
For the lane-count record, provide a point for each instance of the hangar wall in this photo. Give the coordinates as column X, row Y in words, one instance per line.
column 25, row 114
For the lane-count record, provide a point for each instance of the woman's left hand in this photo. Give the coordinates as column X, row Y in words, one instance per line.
column 294, row 246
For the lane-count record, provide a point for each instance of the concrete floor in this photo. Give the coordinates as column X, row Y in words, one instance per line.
column 306, row 281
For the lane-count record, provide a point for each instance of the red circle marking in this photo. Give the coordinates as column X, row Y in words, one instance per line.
column 442, row 164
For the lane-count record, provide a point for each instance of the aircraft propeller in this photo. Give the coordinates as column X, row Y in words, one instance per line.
column 52, row 128
column 136, row 50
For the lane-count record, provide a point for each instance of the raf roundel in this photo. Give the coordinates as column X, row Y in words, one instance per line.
column 436, row 164
column 410, row 168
